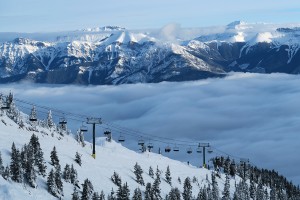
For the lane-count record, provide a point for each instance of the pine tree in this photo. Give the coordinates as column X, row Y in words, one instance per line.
column 67, row 173
column 102, row 195
column 226, row 191
column 50, row 122
column 58, row 181
column 1, row 165
column 16, row 166
column 30, row 174
column 123, row 192
column 260, row 190
column 75, row 195
column 96, row 196
column 151, row 173
column 174, row 194
column 116, row 179
column 111, row 196
column 54, row 157
column 148, row 192
column 78, row 158
column 73, row 176
column 187, row 189
column 156, row 192
column 137, row 194
column 168, row 176
column 232, row 169
column 215, row 188
column 87, row 190
column 138, row 174
column 40, row 162
column 273, row 194
column 252, row 190
column 202, row 195
column 179, row 180
column 52, row 188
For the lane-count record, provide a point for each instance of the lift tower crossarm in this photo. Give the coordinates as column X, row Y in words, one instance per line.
column 94, row 121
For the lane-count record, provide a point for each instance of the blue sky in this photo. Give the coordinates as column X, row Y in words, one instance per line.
column 58, row 15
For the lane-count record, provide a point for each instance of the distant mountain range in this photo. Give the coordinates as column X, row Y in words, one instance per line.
column 114, row 55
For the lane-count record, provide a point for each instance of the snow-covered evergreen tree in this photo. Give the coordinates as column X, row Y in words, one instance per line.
column 50, row 122
column 273, row 194
column 226, row 191
column 202, row 195
column 52, row 188
column 148, row 192
column 75, row 194
column 6, row 173
column 187, row 189
column 54, row 157
column 151, row 172
column 73, row 176
column 78, row 158
column 260, row 190
column 58, row 181
column 111, row 196
column 116, row 179
column 87, row 190
column 168, row 176
column 137, row 194
column 30, row 174
column 67, row 173
column 138, row 174
column 96, row 196
column 156, row 191
column 1, row 165
column 252, row 189
column 102, row 195
column 123, row 192
column 15, row 165
column 174, row 194
column 215, row 188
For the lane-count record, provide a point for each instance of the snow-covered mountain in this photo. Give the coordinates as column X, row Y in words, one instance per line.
column 18, row 128
column 114, row 55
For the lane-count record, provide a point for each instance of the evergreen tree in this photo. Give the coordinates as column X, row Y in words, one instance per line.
column 116, row 179
column 75, row 195
column 40, row 162
column 202, row 195
column 16, row 166
column 232, row 169
column 1, row 165
column 226, row 192
column 123, row 192
column 111, row 196
column 273, row 194
column 30, row 174
column 260, row 190
column 156, row 192
column 50, row 122
column 179, row 180
column 187, row 189
column 137, row 194
column 52, row 188
column 87, row 190
column 174, row 194
column 215, row 188
column 138, row 174
column 73, row 176
column 78, row 158
column 168, row 176
column 102, row 195
column 6, row 173
column 96, row 196
column 151, row 173
column 58, row 181
column 252, row 189
column 54, row 157
column 148, row 192
column 67, row 173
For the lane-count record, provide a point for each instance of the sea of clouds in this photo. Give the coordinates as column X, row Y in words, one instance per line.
column 244, row 115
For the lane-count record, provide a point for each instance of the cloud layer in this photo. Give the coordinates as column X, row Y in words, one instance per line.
column 245, row 115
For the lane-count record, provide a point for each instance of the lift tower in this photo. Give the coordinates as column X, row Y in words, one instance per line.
column 94, row 121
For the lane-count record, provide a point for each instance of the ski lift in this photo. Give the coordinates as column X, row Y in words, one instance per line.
column 5, row 106
column 107, row 133
column 176, row 148
column 121, row 138
column 199, row 149
column 189, row 150
column 83, row 128
column 167, row 149
column 150, row 145
column 62, row 121
column 141, row 142
column 209, row 150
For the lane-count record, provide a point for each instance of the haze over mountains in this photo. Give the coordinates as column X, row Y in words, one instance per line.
column 115, row 55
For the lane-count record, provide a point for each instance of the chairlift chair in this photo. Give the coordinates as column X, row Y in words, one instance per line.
column 176, row 148
column 141, row 142
column 33, row 119
column 62, row 121
column 107, row 133
column 150, row 145
column 189, row 150
column 121, row 138
column 83, row 128
column 209, row 150
column 199, row 150
column 167, row 149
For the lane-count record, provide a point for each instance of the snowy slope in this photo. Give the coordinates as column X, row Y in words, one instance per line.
column 110, row 157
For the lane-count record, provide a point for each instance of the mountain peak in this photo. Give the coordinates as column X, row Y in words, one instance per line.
column 234, row 24
column 104, row 28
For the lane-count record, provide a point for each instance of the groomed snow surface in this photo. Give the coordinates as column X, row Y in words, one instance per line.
column 110, row 157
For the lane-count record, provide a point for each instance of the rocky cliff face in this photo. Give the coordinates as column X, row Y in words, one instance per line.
column 116, row 56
